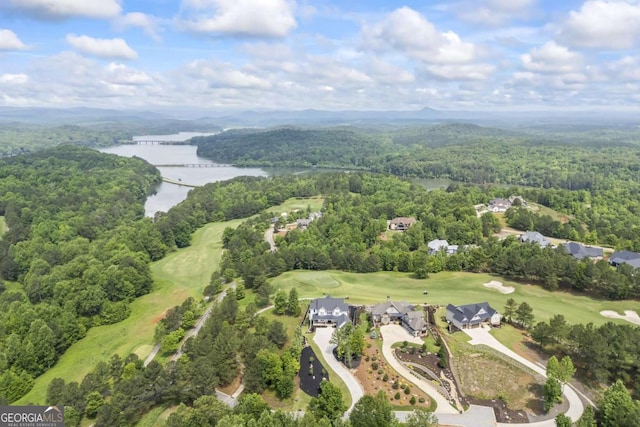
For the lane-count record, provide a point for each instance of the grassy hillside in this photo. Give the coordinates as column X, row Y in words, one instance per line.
column 178, row 276
column 3, row 226
column 445, row 288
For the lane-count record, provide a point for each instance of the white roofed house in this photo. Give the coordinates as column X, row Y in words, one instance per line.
column 535, row 237
column 438, row 245
column 328, row 311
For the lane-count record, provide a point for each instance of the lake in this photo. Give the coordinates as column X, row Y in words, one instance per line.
column 167, row 195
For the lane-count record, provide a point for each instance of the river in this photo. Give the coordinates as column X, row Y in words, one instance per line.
column 166, row 195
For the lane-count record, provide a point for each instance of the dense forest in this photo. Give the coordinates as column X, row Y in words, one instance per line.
column 78, row 244
column 18, row 137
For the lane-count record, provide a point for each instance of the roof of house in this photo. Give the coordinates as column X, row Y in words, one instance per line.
column 329, row 304
column 499, row 202
column 415, row 320
column 381, row 308
column 535, row 237
column 471, row 313
column 403, row 220
column 625, row 257
column 580, row 251
column 437, row 244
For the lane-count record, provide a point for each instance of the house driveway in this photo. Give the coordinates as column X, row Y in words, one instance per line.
column 322, row 338
column 576, row 408
column 395, row 333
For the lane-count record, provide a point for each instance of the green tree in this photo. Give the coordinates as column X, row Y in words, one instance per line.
column 566, row 370
column 553, row 367
column 552, row 393
column 563, row 421
column 618, row 409
column 524, row 315
column 329, row 402
column 588, row 418
column 93, row 405
column 373, row 411
column 293, row 305
column 510, row 309
column 421, row 418
column 280, row 302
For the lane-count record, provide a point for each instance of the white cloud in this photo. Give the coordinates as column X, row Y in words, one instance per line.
column 14, row 78
column 494, row 12
column 10, row 41
column 604, row 24
column 552, row 58
column 260, row 18
column 120, row 74
column 388, row 73
column 104, row 48
column 52, row 9
column 218, row 75
column 148, row 23
column 460, row 72
column 407, row 31
column 625, row 69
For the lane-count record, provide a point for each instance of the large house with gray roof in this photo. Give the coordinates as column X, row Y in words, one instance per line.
column 472, row 315
column 625, row 257
column 580, row 251
column 403, row 312
column 535, row 237
column 328, row 311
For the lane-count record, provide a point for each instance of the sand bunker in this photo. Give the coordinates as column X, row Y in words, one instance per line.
column 494, row 284
column 629, row 315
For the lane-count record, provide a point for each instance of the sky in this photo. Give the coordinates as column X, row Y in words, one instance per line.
column 325, row 54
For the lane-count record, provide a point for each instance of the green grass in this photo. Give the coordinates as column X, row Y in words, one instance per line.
column 156, row 417
column 333, row 377
column 3, row 226
column 181, row 274
column 290, row 323
column 314, row 203
column 449, row 287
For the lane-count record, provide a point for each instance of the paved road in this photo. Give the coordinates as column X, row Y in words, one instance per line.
column 268, row 236
column 576, row 408
column 321, row 338
column 395, row 333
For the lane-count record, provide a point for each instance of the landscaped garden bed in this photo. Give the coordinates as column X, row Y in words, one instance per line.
column 311, row 372
column 375, row 374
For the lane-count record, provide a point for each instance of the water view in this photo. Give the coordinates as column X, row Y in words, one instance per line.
column 167, row 194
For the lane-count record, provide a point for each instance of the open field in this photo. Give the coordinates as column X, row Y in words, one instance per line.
column 3, row 226
column 314, row 203
column 449, row 287
column 178, row 276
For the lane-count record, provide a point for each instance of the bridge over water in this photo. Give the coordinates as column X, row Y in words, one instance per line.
column 193, row 165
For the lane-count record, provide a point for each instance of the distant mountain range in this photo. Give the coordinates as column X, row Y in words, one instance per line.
column 81, row 115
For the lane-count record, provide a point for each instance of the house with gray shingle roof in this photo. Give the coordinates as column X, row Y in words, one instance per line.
column 625, row 257
column 472, row 315
column 413, row 321
column 328, row 311
column 535, row 237
column 389, row 311
column 580, row 251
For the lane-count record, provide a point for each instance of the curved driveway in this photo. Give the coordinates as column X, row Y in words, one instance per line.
column 322, row 338
column 576, row 408
column 392, row 334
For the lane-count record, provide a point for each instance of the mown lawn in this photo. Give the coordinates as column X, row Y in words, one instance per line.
column 314, row 203
column 3, row 226
column 448, row 287
column 178, row 276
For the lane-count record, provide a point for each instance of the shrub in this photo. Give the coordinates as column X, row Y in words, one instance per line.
column 412, row 350
column 421, row 400
column 368, row 345
column 405, row 343
column 424, row 347
column 374, row 358
column 395, row 385
column 413, row 400
column 380, row 371
column 407, row 390
column 374, row 366
column 385, row 378
column 397, row 396
column 367, row 358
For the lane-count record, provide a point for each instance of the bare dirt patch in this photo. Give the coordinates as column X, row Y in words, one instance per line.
column 159, row 317
column 372, row 380
column 629, row 315
column 232, row 387
column 494, row 284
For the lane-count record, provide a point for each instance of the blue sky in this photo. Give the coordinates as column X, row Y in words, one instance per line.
column 298, row 54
